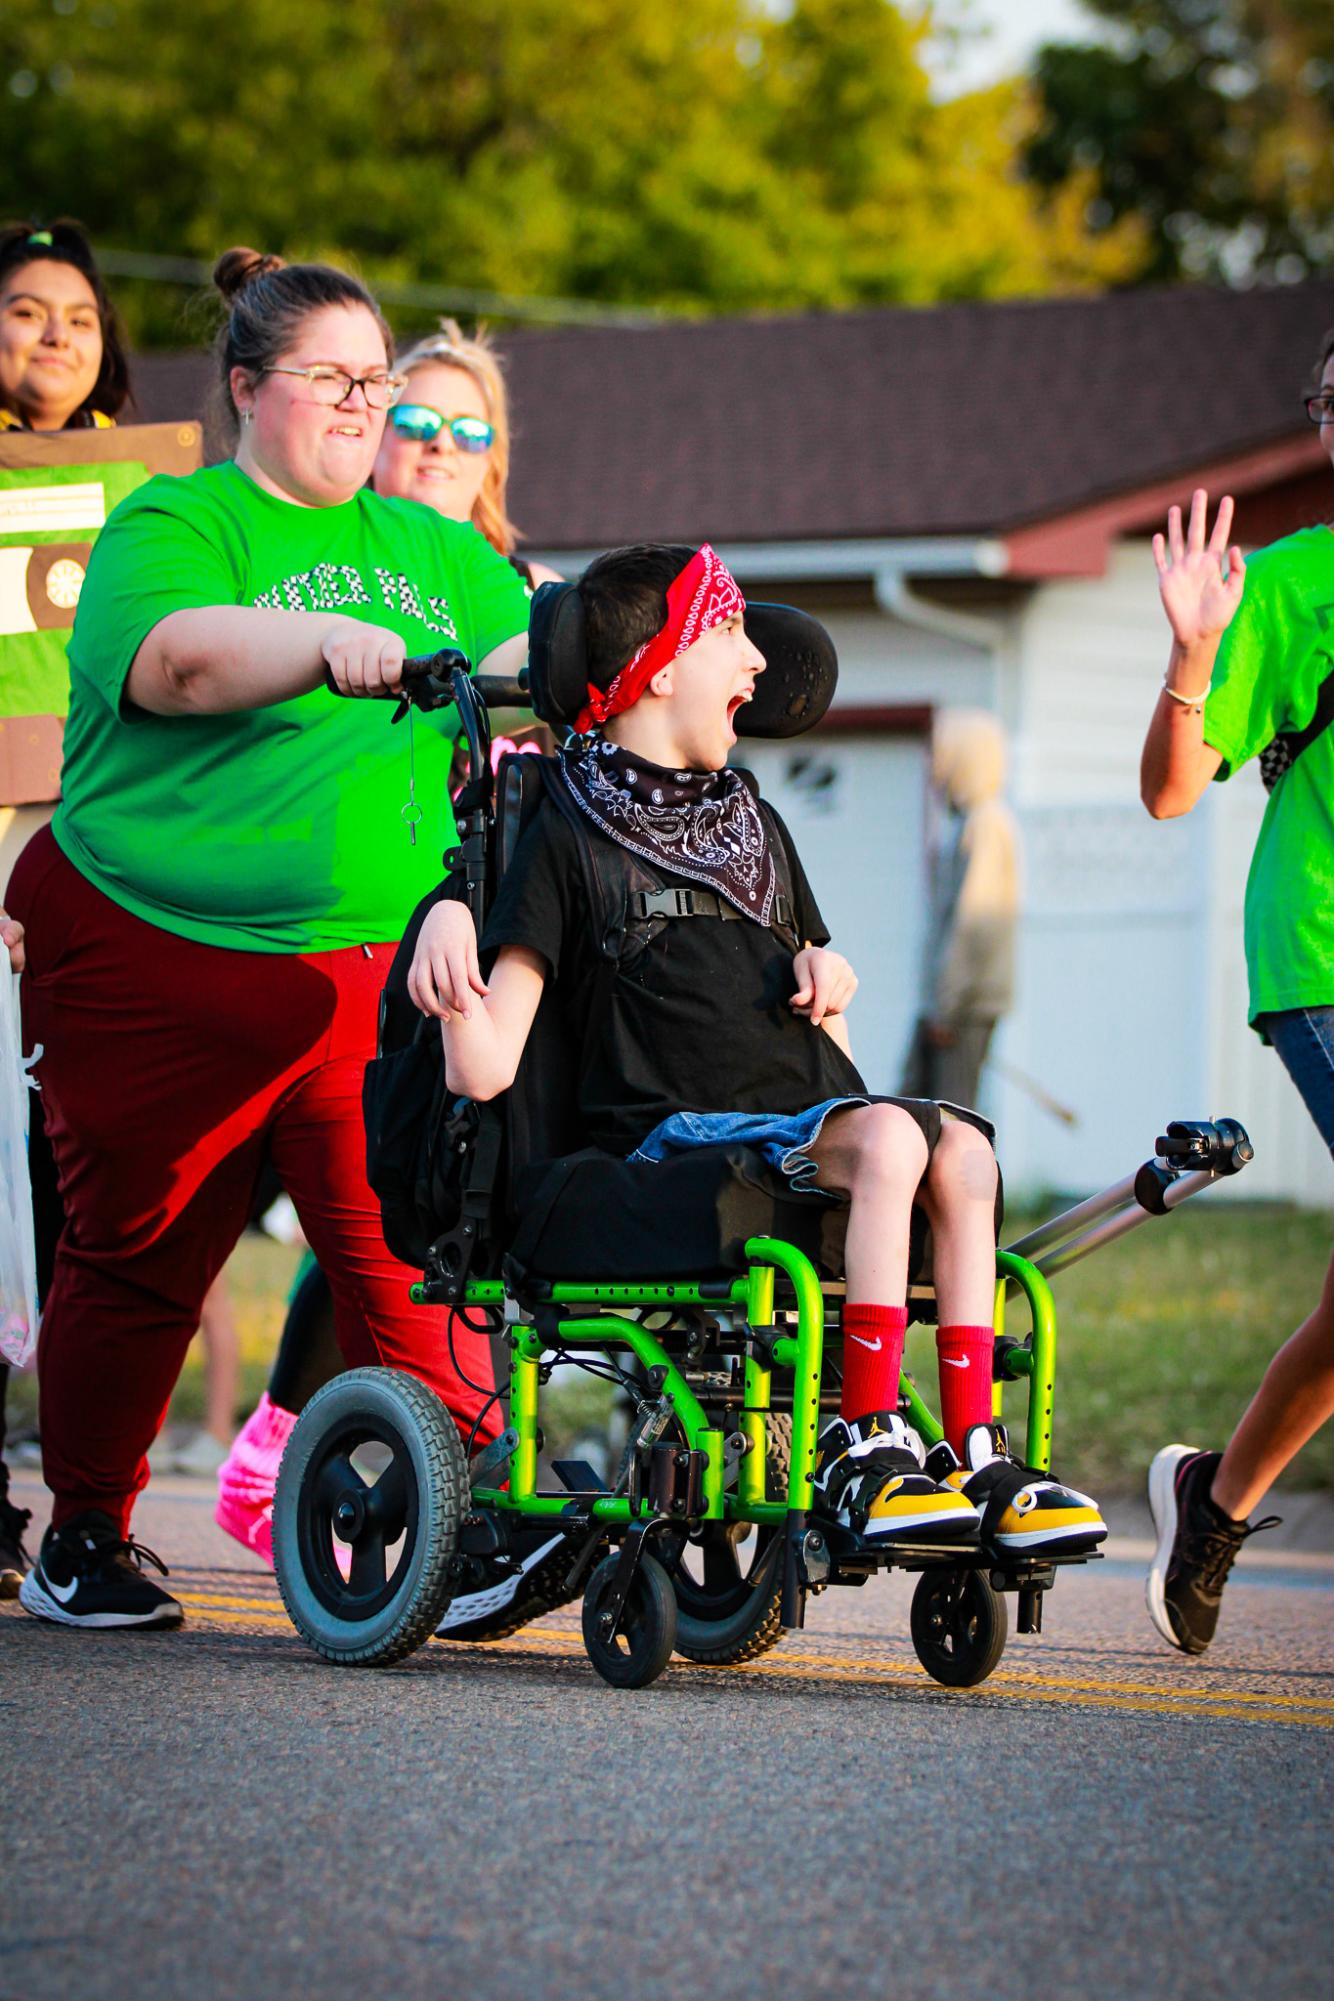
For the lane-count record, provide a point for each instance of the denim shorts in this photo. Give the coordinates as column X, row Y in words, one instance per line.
column 782, row 1137
column 1304, row 1038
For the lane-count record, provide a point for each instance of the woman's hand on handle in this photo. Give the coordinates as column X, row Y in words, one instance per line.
column 1199, row 600
column 363, row 659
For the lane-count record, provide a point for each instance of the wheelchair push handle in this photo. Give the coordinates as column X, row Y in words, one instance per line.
column 428, row 683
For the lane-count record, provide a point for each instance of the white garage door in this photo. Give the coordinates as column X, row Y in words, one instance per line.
column 856, row 808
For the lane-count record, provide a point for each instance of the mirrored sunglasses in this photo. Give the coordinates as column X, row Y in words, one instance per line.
column 419, row 423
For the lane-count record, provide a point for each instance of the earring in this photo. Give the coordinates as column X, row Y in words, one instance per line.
column 246, row 415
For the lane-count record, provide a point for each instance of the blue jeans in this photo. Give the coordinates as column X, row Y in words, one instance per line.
column 782, row 1137
column 1304, row 1038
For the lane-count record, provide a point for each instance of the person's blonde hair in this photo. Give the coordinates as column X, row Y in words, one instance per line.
column 451, row 348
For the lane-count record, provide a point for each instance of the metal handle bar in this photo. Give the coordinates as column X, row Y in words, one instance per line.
column 427, row 683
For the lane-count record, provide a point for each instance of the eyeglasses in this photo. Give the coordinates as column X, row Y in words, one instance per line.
column 1320, row 409
column 332, row 386
column 419, row 423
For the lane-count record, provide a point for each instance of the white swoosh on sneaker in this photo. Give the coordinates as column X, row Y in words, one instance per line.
column 62, row 1593
column 955, row 1361
column 874, row 1346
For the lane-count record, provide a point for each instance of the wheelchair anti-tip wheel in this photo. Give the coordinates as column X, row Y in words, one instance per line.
column 366, row 1517
column 958, row 1626
column 729, row 1578
column 640, row 1648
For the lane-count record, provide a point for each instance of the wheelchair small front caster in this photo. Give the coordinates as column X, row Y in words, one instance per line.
column 640, row 1646
column 958, row 1626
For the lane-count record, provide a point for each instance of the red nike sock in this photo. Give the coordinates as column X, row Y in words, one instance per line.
column 965, row 1379
column 872, row 1358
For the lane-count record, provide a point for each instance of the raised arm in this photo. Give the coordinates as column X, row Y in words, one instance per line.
column 216, row 659
column 483, row 1045
column 1177, row 764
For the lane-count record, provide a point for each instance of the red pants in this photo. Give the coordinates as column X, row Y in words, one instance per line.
column 169, row 1069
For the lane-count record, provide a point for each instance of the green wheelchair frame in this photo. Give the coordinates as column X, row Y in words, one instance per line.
column 724, row 1443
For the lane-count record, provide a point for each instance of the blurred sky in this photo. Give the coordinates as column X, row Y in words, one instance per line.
column 1016, row 27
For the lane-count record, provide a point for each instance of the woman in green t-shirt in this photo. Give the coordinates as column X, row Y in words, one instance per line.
column 212, row 913
column 1252, row 649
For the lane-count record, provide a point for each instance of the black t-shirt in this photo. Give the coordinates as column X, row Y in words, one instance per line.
column 697, row 1018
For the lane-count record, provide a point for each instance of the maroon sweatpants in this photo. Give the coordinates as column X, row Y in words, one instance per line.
column 168, row 1068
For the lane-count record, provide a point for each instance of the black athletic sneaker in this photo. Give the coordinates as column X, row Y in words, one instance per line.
column 87, row 1574
column 533, row 1588
column 1197, row 1547
column 15, row 1562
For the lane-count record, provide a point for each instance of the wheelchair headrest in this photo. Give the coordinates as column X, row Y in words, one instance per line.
column 795, row 689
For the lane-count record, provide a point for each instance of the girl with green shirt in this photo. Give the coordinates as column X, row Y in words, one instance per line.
column 1252, row 648
column 210, row 918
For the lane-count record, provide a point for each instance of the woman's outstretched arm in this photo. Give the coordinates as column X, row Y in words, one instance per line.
column 1177, row 764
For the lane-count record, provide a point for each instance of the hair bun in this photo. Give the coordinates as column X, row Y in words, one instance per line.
column 237, row 268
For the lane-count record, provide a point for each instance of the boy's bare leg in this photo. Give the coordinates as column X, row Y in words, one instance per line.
column 1293, row 1401
column 959, row 1197
column 876, row 1156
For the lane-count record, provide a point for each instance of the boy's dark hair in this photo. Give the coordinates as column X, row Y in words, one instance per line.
column 624, row 595
column 64, row 242
column 267, row 301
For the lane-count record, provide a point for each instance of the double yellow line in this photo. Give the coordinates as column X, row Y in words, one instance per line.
column 1017, row 1684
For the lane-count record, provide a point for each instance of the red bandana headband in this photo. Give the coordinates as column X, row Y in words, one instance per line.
column 704, row 595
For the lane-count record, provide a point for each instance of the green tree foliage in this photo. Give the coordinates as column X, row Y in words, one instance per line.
column 713, row 155
column 1212, row 121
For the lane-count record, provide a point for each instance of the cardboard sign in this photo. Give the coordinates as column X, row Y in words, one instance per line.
column 56, row 491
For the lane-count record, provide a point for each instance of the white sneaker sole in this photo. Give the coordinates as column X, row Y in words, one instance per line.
column 42, row 1606
column 929, row 1526
column 485, row 1604
column 1163, row 1508
column 1039, row 1539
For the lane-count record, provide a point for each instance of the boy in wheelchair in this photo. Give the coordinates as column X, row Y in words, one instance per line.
column 729, row 1030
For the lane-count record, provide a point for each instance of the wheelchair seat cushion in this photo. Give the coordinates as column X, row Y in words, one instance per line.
column 589, row 1215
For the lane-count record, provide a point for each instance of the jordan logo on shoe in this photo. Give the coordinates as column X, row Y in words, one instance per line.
column 874, row 1346
column 955, row 1361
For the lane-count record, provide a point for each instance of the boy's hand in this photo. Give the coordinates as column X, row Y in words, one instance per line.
column 11, row 935
column 825, row 983
column 445, row 974
column 1198, row 599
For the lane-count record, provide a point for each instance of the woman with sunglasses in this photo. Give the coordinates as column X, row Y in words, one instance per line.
column 212, row 913
column 62, row 368
column 1251, row 674
column 447, row 446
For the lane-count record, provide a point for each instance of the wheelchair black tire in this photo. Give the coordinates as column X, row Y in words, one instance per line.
column 958, row 1625
column 393, row 1410
column 736, row 1632
column 642, row 1648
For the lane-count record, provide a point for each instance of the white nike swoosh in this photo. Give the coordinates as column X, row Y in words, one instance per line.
column 956, row 1361
column 874, row 1346
column 62, row 1593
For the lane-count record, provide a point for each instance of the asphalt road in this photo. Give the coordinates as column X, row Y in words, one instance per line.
column 217, row 1814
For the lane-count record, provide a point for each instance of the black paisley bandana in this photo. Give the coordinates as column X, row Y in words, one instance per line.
column 701, row 824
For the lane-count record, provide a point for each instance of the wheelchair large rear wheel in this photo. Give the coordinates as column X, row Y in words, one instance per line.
column 958, row 1626
column 366, row 1517
column 729, row 1578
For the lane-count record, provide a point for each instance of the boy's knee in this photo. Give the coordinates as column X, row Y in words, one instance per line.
column 889, row 1144
column 963, row 1163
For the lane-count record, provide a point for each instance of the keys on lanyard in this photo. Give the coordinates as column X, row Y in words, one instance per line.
column 411, row 813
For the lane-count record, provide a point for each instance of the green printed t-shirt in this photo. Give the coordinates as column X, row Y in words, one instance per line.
column 1274, row 656
column 277, row 829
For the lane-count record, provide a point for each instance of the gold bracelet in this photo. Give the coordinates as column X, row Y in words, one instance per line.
column 1196, row 702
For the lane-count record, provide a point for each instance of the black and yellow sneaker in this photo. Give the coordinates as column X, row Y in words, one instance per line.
column 88, row 1574
column 869, row 1478
column 1197, row 1547
column 1023, row 1512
